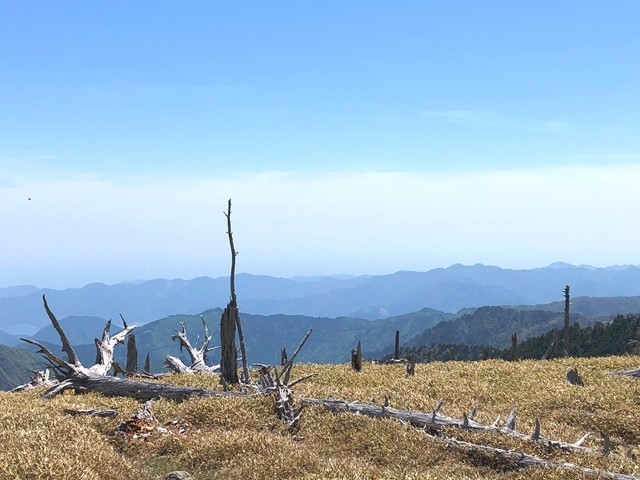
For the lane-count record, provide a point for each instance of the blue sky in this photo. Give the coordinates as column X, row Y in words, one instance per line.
column 354, row 137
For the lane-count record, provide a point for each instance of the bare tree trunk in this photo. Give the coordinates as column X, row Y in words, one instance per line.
column 147, row 365
column 356, row 357
column 396, row 350
column 514, row 347
column 228, row 354
column 227, row 338
column 566, row 320
column 132, row 355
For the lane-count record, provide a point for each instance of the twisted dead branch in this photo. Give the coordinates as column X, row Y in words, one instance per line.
column 196, row 354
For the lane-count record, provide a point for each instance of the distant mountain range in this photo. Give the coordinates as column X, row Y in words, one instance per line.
column 332, row 338
column 369, row 297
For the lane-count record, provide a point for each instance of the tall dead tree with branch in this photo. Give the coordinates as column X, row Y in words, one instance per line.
column 230, row 321
column 565, row 335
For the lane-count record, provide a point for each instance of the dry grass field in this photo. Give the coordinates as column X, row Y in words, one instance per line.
column 241, row 438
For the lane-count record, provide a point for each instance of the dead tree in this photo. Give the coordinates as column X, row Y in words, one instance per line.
column 356, row 358
column 197, row 355
column 523, row 460
column 565, row 333
column 396, row 350
column 94, row 379
column 635, row 372
column 104, row 352
column 104, row 348
column 514, row 347
column 228, row 352
column 132, row 355
column 280, row 385
column 230, row 321
column 147, row 365
column 434, row 424
column 39, row 379
column 551, row 350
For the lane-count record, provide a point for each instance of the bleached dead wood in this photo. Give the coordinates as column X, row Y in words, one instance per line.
column 140, row 390
column 104, row 348
column 94, row 379
column 177, row 365
column 280, row 385
column 522, row 459
column 109, row 413
column 39, row 379
column 628, row 373
column 196, row 354
column 435, row 421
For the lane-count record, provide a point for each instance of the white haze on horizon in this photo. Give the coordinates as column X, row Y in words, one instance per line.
column 82, row 230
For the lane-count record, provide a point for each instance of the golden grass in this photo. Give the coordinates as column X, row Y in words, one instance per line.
column 239, row 438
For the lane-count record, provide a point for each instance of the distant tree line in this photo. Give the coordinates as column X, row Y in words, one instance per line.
column 618, row 337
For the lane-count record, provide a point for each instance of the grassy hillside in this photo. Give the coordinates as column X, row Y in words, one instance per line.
column 242, row 439
column 16, row 365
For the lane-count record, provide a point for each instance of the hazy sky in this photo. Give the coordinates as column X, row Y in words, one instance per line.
column 353, row 136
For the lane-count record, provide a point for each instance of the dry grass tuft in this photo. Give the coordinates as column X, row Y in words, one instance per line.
column 242, row 439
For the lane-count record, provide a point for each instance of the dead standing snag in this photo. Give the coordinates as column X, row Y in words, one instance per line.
column 230, row 321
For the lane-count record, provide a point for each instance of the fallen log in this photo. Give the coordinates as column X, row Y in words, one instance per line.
column 109, row 413
column 94, row 379
column 434, row 421
column 523, row 460
column 140, row 390
column 628, row 373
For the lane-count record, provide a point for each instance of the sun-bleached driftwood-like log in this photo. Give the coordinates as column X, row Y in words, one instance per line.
column 435, row 421
column 104, row 349
column 80, row 378
column 177, row 365
column 197, row 355
column 39, row 379
column 524, row 460
column 635, row 372
column 140, row 390
column 108, row 413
